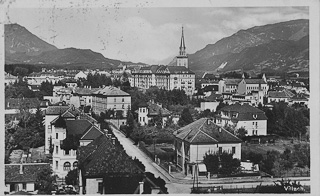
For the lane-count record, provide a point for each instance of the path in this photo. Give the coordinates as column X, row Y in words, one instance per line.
column 133, row 151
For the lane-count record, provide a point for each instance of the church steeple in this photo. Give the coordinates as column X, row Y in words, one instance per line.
column 182, row 47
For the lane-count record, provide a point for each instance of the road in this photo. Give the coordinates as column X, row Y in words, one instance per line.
column 133, row 151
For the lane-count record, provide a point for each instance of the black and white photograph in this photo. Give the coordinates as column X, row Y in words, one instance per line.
column 160, row 97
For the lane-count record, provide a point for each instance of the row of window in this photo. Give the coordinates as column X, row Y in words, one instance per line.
column 67, row 165
column 65, row 152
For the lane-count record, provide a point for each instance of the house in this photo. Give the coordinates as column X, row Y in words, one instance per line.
column 79, row 75
column 250, row 118
column 10, row 79
column 147, row 112
column 13, row 105
column 22, row 177
column 246, row 86
column 85, row 95
column 211, row 102
column 193, row 141
column 300, row 99
column 209, row 89
column 277, row 96
column 228, row 85
column 110, row 98
column 66, row 112
column 254, row 98
column 38, row 78
column 105, row 168
column 67, row 135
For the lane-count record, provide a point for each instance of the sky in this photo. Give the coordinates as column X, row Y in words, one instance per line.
column 144, row 34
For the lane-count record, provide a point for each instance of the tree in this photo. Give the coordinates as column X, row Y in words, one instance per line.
column 72, row 177
column 45, row 181
column 301, row 155
column 241, row 132
column 211, row 160
column 268, row 163
column 130, row 123
column 229, row 165
column 47, row 88
column 185, row 118
column 221, row 105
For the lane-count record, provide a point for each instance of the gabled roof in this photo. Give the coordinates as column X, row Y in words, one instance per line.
column 202, row 132
column 154, row 110
column 85, row 91
column 245, row 112
column 30, row 171
column 210, row 88
column 56, row 110
column 78, row 126
column 102, row 158
column 110, row 91
column 92, row 133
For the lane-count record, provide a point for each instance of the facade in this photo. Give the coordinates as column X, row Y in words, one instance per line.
column 246, row 116
column 254, row 98
column 200, row 137
column 165, row 77
column 22, row 177
column 111, row 98
column 85, row 95
column 228, row 85
column 211, row 102
column 148, row 111
column 38, row 78
column 246, row 86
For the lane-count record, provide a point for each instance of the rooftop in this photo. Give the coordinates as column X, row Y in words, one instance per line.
column 204, row 131
column 111, row 91
column 244, row 112
column 29, row 172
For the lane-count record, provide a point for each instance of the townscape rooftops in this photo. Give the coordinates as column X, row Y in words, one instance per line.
column 86, row 91
column 232, row 81
column 299, row 97
column 102, row 158
column 110, row 91
column 163, row 68
column 16, row 103
column 29, row 172
column 56, row 110
column 92, row 133
column 204, row 131
column 211, row 88
column 155, row 110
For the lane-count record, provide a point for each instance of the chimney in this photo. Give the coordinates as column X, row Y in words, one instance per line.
column 141, row 188
column 113, row 140
column 21, row 169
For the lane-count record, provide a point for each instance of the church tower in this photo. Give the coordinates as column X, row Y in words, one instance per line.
column 182, row 58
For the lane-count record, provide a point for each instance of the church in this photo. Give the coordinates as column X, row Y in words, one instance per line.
column 167, row 77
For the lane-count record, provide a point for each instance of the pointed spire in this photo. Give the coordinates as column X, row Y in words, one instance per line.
column 182, row 45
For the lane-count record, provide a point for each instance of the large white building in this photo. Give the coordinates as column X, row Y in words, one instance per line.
column 243, row 116
column 111, row 98
column 203, row 136
column 246, row 86
column 167, row 77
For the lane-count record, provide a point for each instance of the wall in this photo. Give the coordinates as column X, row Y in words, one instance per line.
column 30, row 186
column 92, row 185
column 48, row 131
column 212, row 106
column 249, row 126
column 198, row 151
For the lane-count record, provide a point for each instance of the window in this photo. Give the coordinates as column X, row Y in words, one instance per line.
column 122, row 99
column 143, row 119
column 256, row 123
column 122, row 106
column 66, row 166
column 233, row 150
column 67, row 152
column 24, row 186
column 252, row 132
column 57, row 165
column 75, row 165
column 57, row 134
column 49, row 126
column 100, row 187
column 115, row 99
column 220, row 150
column 57, row 149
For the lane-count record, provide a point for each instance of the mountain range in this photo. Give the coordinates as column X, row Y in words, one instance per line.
column 280, row 47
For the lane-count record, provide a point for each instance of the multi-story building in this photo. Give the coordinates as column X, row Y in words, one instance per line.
column 167, row 77
column 193, row 141
column 148, row 111
column 110, row 98
column 228, row 85
column 67, row 135
column 246, row 86
column 85, row 95
column 243, row 116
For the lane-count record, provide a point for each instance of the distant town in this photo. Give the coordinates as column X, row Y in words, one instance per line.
column 149, row 129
